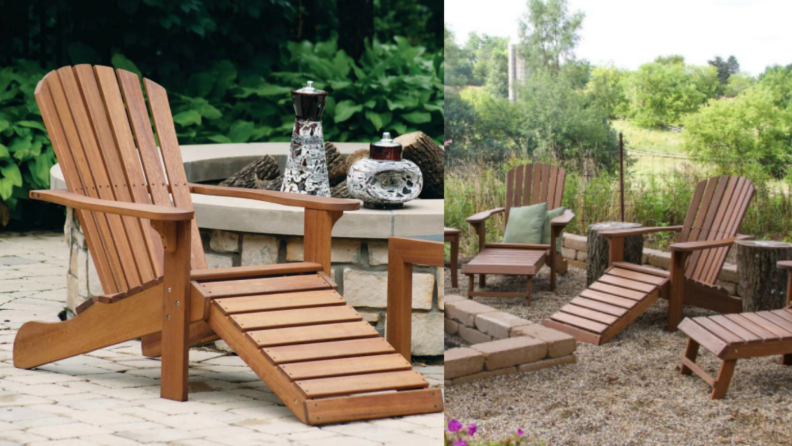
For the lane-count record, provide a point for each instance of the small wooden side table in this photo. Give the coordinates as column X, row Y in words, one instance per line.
column 451, row 235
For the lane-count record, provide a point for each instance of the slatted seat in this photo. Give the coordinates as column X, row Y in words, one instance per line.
column 737, row 336
column 287, row 322
column 525, row 185
column 626, row 291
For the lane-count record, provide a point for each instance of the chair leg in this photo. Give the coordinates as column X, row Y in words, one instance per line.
column 471, row 285
column 691, row 353
column 482, row 280
column 553, row 272
column 721, row 384
column 529, row 292
column 786, row 359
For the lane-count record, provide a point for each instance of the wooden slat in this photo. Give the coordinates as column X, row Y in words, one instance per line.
column 373, row 382
column 593, row 315
column 712, row 208
column 269, row 302
column 663, row 274
column 104, row 233
column 716, row 230
column 551, row 185
column 599, row 306
column 119, row 123
column 785, row 313
column 719, row 331
column 174, row 166
column 518, row 182
column 312, row 333
column 327, row 350
column 110, row 154
column 746, row 335
column 509, row 192
column 97, row 169
column 778, row 331
column 380, row 405
column 527, row 184
column 242, row 272
column 608, row 298
column 298, row 317
column 536, row 191
column 576, row 321
column 627, row 283
column 775, row 319
column 702, row 336
column 691, row 212
column 752, row 327
column 617, row 291
column 559, row 196
column 346, row 366
column 60, row 143
column 640, row 277
column 270, row 285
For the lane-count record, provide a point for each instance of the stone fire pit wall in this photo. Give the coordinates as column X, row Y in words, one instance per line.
column 237, row 232
column 502, row 344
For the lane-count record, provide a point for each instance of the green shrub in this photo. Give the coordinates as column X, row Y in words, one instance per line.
column 26, row 155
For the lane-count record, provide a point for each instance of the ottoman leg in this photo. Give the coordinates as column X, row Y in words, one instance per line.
column 471, row 285
column 529, row 291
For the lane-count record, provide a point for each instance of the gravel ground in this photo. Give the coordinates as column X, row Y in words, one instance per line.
column 626, row 392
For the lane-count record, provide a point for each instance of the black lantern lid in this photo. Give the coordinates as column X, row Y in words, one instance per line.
column 386, row 149
column 309, row 102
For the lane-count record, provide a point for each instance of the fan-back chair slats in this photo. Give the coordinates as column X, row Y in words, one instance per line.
column 533, row 184
column 96, row 145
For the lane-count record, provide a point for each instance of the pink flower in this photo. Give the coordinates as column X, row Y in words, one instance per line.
column 520, row 432
column 472, row 430
column 460, row 442
column 454, row 426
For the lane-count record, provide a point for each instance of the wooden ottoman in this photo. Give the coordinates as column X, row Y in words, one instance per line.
column 508, row 262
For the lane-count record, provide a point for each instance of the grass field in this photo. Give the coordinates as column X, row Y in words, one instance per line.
column 652, row 151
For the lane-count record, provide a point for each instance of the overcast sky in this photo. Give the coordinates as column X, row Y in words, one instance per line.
column 629, row 33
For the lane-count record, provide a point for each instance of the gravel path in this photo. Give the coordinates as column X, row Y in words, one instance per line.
column 627, row 392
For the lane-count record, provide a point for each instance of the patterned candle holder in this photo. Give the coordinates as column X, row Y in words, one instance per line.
column 306, row 168
column 384, row 180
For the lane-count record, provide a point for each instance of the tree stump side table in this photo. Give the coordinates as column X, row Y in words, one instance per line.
column 451, row 235
column 762, row 285
column 598, row 247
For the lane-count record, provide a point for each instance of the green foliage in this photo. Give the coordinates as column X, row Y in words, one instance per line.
column 749, row 133
column 26, row 155
column 606, row 91
column 549, row 34
column 738, row 83
column 395, row 87
column 726, row 68
column 661, row 93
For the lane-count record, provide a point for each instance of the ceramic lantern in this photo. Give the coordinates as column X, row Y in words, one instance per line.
column 306, row 168
column 384, row 180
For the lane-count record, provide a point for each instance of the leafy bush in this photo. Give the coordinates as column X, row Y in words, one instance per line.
column 395, row 87
column 661, row 93
column 749, row 132
column 606, row 90
column 26, row 155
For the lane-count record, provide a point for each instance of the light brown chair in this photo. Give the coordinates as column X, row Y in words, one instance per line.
column 286, row 321
column 525, row 185
column 626, row 291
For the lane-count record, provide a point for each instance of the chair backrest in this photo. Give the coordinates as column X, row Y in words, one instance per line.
column 101, row 132
column 534, row 183
column 716, row 211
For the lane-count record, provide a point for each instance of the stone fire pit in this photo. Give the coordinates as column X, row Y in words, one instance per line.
column 239, row 232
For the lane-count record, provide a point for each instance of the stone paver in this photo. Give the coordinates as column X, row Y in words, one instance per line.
column 110, row 397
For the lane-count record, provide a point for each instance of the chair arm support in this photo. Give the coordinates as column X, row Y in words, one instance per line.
column 284, row 198
column 702, row 245
column 619, row 233
column 562, row 220
column 123, row 208
column 785, row 265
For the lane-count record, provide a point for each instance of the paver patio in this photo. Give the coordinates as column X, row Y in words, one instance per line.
column 111, row 396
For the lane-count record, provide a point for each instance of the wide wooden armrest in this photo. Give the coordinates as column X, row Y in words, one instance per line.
column 149, row 211
column 517, row 246
column 563, row 219
column 619, row 233
column 483, row 216
column 745, row 237
column 698, row 246
column 785, row 264
column 284, row 198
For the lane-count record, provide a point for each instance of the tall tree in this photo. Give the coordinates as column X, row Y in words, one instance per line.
column 725, row 68
column 549, row 34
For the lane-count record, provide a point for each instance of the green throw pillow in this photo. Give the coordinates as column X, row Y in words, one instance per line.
column 525, row 224
column 547, row 233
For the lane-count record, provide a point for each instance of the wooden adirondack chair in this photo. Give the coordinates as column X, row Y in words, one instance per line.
column 625, row 291
column 286, row 321
column 525, row 185
column 738, row 336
